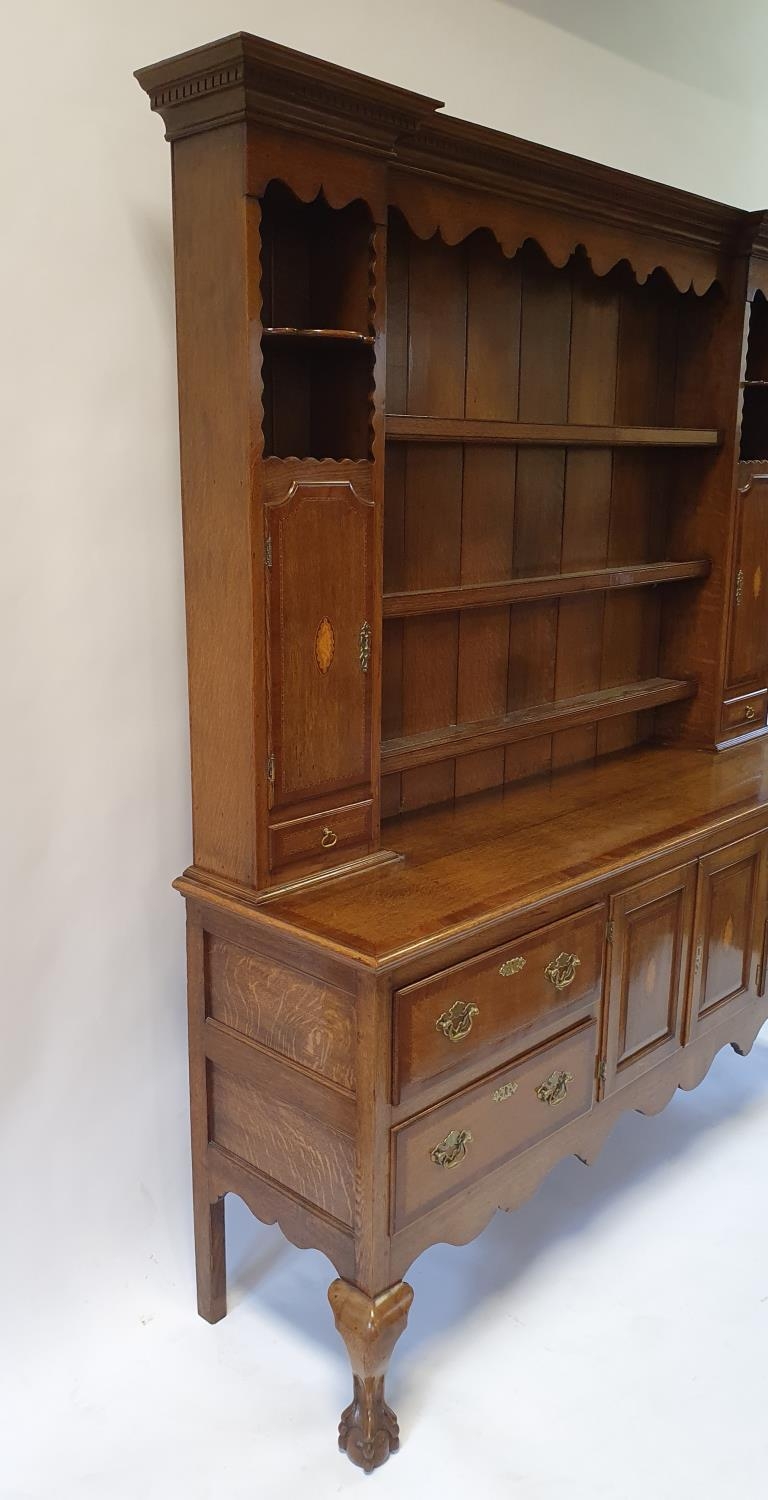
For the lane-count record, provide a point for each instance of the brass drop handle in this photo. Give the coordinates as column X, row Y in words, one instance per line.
column 329, row 838
column 456, row 1023
column 554, row 1088
column 450, row 1151
column 750, row 713
column 561, row 971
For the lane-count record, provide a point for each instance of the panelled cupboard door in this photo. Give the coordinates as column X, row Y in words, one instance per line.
column 320, row 551
column 748, row 650
column 648, row 959
column 730, row 932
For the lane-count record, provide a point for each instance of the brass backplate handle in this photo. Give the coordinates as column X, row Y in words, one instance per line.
column 554, row 1088
column 456, row 1023
column 450, row 1151
column 561, row 971
column 750, row 713
column 329, row 838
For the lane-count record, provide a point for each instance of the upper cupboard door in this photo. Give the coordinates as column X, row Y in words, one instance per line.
column 748, row 651
column 730, row 932
column 320, row 552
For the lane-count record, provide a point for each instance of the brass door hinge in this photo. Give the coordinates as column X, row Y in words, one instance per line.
column 268, row 551
column 270, row 768
column 602, row 1072
column 609, row 932
column 739, row 586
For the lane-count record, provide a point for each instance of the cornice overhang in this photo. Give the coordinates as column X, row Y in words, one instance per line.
column 243, row 77
column 513, row 187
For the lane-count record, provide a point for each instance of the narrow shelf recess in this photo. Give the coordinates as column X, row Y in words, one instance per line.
column 469, row 430
column 527, row 723
column 347, row 335
column 548, row 586
column 748, row 385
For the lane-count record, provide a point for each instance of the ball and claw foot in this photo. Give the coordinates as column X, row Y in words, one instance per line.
column 368, row 1429
column 370, row 1328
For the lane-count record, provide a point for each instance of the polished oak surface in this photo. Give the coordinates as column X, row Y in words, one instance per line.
column 505, row 851
column 475, row 539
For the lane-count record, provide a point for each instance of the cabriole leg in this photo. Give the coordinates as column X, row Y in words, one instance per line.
column 370, row 1328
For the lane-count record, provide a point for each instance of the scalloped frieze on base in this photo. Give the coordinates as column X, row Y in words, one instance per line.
column 304, row 1226
column 458, row 1222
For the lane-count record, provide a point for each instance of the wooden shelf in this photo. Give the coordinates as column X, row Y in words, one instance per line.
column 527, row 723
column 335, row 335
column 549, row 586
column 468, row 430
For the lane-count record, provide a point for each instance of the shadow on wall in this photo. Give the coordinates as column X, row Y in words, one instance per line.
column 453, row 1283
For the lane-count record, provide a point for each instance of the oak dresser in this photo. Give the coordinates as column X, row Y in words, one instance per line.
column 476, row 553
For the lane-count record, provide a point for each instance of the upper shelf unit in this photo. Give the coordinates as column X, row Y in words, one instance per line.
column 317, row 327
column 544, row 434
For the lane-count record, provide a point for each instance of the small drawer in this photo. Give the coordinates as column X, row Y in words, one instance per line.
column 465, row 1013
column 740, row 715
column 323, row 838
column 445, row 1149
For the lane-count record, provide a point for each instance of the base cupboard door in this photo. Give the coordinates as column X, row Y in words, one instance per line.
column 730, row 933
column 648, row 953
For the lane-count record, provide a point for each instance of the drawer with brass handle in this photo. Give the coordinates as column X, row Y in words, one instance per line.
column 340, row 831
column 445, row 1148
column 453, row 1022
column 741, row 715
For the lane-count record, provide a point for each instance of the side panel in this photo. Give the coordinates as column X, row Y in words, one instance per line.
column 214, row 233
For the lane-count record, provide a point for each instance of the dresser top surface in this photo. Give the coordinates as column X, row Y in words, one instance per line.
column 501, row 852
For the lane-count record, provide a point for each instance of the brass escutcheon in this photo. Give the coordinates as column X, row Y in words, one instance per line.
column 457, row 1022
column 450, row 1151
column 512, row 966
column 554, row 1088
column 505, row 1091
column 561, row 971
column 329, row 838
column 364, row 646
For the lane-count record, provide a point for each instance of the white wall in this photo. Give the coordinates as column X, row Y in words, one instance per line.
column 95, row 818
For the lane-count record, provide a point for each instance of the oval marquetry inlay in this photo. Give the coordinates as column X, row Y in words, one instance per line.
column 728, row 933
column 757, row 581
column 325, row 645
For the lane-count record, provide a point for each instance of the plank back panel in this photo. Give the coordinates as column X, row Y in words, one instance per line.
column 475, row 334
